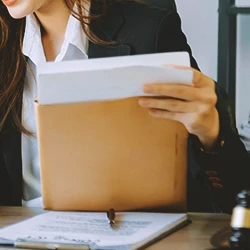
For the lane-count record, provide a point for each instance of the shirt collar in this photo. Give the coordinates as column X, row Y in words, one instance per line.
column 74, row 35
column 32, row 44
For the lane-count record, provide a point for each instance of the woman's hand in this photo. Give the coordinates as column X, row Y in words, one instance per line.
column 193, row 105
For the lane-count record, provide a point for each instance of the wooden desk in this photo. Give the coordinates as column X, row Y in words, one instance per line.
column 193, row 237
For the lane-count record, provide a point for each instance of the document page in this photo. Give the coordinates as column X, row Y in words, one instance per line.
column 109, row 78
column 91, row 229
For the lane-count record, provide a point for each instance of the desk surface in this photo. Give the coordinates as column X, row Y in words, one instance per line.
column 193, row 237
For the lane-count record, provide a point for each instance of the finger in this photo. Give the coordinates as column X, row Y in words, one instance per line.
column 217, row 185
column 168, row 104
column 214, row 179
column 166, row 114
column 212, row 173
column 184, row 92
column 199, row 79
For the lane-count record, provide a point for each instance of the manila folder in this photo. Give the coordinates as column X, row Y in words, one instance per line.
column 110, row 154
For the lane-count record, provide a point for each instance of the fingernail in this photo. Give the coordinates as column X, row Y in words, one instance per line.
column 143, row 102
column 153, row 112
column 147, row 88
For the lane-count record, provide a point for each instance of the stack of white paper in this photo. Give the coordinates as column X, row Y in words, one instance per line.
column 108, row 78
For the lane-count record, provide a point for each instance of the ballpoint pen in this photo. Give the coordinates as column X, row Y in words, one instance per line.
column 111, row 217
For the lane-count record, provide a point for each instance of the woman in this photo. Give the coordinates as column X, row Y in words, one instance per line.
column 33, row 31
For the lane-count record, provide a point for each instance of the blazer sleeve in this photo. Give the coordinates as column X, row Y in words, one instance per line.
column 5, row 187
column 231, row 161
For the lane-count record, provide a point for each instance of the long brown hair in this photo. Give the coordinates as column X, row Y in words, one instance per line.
column 13, row 63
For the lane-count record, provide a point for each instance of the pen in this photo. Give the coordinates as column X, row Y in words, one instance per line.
column 111, row 217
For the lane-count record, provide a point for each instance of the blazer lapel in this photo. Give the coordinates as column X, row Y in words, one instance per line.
column 107, row 28
column 97, row 51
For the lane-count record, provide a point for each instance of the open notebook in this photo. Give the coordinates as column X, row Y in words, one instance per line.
column 83, row 230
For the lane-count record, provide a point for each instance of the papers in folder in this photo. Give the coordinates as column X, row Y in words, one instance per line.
column 108, row 78
column 66, row 230
column 96, row 154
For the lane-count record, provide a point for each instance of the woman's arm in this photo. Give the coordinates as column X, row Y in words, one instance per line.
column 227, row 169
column 229, row 163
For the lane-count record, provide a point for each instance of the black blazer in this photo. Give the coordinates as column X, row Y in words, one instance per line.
column 141, row 29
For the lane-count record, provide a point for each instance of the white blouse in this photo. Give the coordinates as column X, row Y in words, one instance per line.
column 74, row 47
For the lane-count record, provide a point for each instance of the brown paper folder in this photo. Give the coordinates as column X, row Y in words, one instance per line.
column 99, row 155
